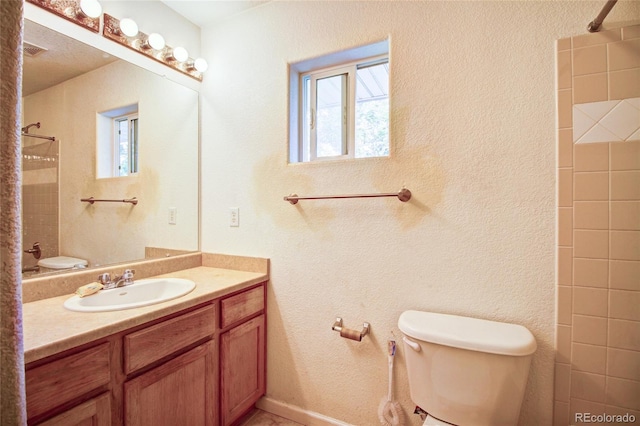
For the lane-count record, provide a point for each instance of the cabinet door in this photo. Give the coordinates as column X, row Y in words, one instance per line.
column 242, row 368
column 178, row 392
column 94, row 412
column 67, row 379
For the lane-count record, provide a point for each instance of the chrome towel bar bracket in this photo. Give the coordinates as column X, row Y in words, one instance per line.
column 403, row 195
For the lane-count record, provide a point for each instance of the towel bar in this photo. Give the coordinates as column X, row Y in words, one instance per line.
column 92, row 200
column 403, row 195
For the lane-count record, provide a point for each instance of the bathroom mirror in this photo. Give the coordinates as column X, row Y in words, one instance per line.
column 67, row 88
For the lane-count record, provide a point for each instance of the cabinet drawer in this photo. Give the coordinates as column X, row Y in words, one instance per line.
column 240, row 306
column 94, row 412
column 153, row 343
column 58, row 382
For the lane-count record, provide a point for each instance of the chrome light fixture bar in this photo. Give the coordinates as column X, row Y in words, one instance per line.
column 85, row 13
column 126, row 33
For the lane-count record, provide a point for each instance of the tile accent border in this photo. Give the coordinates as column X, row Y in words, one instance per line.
column 608, row 121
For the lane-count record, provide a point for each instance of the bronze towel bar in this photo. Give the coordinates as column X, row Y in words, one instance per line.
column 403, row 195
column 92, row 200
column 49, row 138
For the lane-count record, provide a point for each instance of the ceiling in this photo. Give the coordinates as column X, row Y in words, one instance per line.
column 64, row 58
column 206, row 12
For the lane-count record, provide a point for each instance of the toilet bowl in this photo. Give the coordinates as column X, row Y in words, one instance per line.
column 62, row 262
column 466, row 371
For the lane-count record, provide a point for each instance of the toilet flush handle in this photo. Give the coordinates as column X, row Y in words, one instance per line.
column 412, row 345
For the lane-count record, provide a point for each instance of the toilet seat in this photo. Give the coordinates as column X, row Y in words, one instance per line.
column 62, row 262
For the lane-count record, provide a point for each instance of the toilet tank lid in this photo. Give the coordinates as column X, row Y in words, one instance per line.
column 61, row 262
column 468, row 333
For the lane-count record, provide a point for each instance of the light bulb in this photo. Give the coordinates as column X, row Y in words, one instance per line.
column 156, row 41
column 91, row 8
column 129, row 27
column 200, row 65
column 181, row 54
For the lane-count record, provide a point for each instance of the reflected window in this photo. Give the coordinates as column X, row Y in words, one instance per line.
column 118, row 142
column 126, row 145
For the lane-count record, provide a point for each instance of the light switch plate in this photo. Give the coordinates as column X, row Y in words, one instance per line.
column 234, row 217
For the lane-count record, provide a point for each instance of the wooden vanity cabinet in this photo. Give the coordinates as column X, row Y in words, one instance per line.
column 204, row 366
column 94, row 412
column 61, row 386
column 242, row 379
column 180, row 390
column 242, row 353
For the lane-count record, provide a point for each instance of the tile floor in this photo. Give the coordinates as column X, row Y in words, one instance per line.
column 262, row 418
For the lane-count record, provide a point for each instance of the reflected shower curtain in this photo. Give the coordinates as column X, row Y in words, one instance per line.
column 12, row 387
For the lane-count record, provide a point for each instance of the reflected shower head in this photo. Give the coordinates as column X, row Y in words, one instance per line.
column 26, row 128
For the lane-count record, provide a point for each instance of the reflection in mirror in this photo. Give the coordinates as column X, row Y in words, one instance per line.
column 117, row 136
column 70, row 88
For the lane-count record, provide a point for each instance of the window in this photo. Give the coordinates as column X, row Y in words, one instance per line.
column 126, row 145
column 341, row 111
column 118, row 142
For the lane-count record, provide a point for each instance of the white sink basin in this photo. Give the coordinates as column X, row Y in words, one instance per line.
column 140, row 293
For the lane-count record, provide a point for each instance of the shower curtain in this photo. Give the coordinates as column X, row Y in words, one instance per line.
column 12, row 387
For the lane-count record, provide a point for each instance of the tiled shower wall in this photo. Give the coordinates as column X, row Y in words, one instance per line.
column 598, row 294
column 40, row 199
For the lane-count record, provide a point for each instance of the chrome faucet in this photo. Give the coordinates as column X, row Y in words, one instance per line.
column 118, row 280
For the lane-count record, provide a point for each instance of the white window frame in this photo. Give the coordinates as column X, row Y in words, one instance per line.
column 116, row 143
column 349, row 107
column 366, row 55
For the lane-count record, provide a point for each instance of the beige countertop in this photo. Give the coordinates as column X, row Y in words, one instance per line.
column 49, row 328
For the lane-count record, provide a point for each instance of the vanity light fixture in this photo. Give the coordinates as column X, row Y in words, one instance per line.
column 153, row 46
column 199, row 65
column 154, row 41
column 179, row 54
column 85, row 13
column 128, row 27
column 90, row 8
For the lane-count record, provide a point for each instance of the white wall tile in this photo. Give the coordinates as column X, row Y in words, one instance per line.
column 623, row 120
column 596, row 110
column 598, row 133
column 582, row 122
column 608, row 121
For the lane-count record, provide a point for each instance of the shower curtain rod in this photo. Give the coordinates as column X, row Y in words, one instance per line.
column 594, row 26
column 50, row 138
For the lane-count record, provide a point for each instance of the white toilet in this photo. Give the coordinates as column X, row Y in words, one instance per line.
column 62, row 262
column 466, row 371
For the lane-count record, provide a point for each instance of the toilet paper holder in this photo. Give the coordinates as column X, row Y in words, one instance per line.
column 349, row 333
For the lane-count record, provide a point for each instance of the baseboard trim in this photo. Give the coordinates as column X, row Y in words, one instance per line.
column 297, row 414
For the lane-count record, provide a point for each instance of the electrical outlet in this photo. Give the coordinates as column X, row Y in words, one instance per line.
column 173, row 215
column 234, row 217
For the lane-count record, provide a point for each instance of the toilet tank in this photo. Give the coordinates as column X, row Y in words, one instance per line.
column 466, row 371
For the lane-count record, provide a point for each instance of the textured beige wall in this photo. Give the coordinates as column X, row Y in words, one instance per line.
column 106, row 233
column 473, row 137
